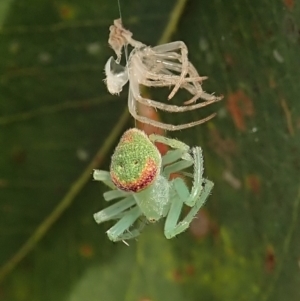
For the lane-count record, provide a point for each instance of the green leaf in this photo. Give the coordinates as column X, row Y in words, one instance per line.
column 58, row 122
column 4, row 7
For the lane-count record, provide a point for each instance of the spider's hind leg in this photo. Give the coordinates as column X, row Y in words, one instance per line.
column 172, row 227
column 194, row 198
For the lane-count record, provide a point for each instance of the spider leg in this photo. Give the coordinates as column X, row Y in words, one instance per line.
column 193, row 74
column 168, row 127
column 168, row 56
column 169, row 108
column 181, row 149
column 168, row 61
column 152, row 60
column 172, row 156
column 172, row 227
column 194, row 77
column 164, row 83
column 175, row 160
column 133, row 233
column 198, row 92
column 169, row 66
column 176, row 167
column 163, row 73
column 114, row 210
column 187, row 160
column 117, row 232
column 114, row 194
column 198, row 177
column 191, row 84
column 165, row 77
column 184, row 61
column 169, row 47
column 103, row 176
column 197, row 161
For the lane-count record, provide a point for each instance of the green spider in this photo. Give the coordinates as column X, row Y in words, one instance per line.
column 140, row 176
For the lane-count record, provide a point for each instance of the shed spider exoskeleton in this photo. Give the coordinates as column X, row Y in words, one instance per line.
column 140, row 176
column 160, row 66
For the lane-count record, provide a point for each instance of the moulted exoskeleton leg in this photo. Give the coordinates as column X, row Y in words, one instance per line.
column 169, row 47
column 170, row 108
column 165, row 70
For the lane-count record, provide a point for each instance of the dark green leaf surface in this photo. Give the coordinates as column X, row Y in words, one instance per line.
column 55, row 113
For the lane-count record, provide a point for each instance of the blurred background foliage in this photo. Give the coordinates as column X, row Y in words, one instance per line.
column 57, row 122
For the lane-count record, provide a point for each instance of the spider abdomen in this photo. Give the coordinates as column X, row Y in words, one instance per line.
column 135, row 163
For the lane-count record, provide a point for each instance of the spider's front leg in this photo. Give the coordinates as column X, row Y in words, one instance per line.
column 176, row 161
column 123, row 210
column 183, row 152
column 120, row 231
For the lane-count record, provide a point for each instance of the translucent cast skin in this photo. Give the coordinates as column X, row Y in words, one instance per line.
column 140, row 177
column 166, row 65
